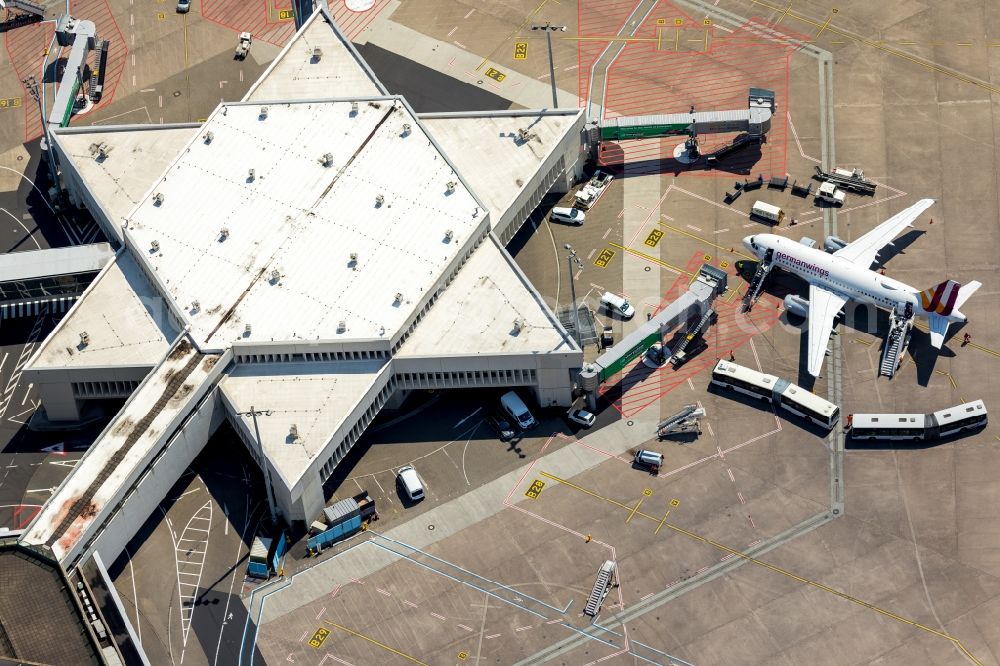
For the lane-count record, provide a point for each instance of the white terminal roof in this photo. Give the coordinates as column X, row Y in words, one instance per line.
column 138, row 155
column 315, row 398
column 298, row 73
column 302, row 219
column 476, row 313
column 125, row 317
column 502, row 164
column 144, row 402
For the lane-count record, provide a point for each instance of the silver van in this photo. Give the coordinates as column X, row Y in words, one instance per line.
column 410, row 483
column 617, row 305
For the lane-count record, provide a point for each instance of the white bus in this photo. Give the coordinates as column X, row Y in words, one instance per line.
column 777, row 391
column 917, row 427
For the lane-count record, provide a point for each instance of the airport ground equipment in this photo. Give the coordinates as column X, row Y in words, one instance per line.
column 20, row 13
column 81, row 36
column 756, row 283
column 831, row 194
column 684, row 421
column 243, row 46
column 777, row 183
column 754, row 122
column 900, row 325
column 801, row 190
column 693, row 340
column 265, row 556
column 916, row 427
column 697, row 300
column 343, row 519
column 606, row 579
column 97, row 75
column 852, row 181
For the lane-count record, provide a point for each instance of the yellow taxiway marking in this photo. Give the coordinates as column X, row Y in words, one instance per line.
column 650, row 258
column 926, row 64
column 769, row 566
column 632, row 515
column 375, row 642
column 516, row 30
column 706, row 241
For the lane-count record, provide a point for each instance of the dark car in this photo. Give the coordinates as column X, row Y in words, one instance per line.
column 501, row 427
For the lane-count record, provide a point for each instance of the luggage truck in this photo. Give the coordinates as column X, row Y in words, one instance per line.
column 341, row 520
column 265, row 556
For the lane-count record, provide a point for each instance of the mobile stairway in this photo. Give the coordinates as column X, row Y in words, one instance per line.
column 679, row 355
column 756, row 284
column 896, row 342
column 684, row 421
column 606, row 579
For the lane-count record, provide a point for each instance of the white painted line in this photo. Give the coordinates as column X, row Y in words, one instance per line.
column 320, row 614
column 740, row 495
column 440, row 617
column 492, row 636
column 524, row 628
column 646, row 597
column 591, row 254
column 731, row 477
column 478, row 409
column 722, row 231
column 690, row 384
column 460, row 45
column 606, row 232
column 462, row 626
column 4, row 360
column 471, row 12
column 693, row 228
column 25, row 398
column 380, row 488
column 384, row 592
column 452, row 31
column 410, row 604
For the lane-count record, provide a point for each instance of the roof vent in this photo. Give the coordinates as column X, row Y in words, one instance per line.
column 524, row 136
column 158, row 199
column 353, row 263
column 246, row 331
column 252, row 175
column 399, row 298
column 518, row 325
column 155, row 246
column 475, row 212
column 327, row 160
column 195, row 306
column 379, row 200
column 208, row 137
column 293, row 432
column 223, row 234
column 451, row 186
column 263, row 113
column 342, row 326
column 103, row 150
column 275, row 276
column 84, row 339
column 354, row 108
column 406, row 129
column 448, row 235
column 317, row 53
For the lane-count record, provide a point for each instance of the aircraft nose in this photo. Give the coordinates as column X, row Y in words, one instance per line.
column 748, row 244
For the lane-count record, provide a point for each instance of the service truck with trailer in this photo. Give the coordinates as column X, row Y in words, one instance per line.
column 767, row 212
column 343, row 519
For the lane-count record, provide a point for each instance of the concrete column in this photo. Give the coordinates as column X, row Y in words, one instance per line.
column 59, row 402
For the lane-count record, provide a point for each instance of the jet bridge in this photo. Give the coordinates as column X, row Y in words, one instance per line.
column 697, row 300
column 19, row 13
column 82, row 36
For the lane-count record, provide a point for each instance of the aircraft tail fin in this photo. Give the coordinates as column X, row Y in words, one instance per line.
column 966, row 291
column 942, row 298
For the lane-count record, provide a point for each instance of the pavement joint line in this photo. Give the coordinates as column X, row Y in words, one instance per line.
column 375, row 642
column 706, row 241
column 766, row 565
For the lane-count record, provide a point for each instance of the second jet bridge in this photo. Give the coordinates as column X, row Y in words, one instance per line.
column 697, row 300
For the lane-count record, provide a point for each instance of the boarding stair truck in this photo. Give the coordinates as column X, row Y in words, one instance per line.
column 683, row 422
column 343, row 519
column 243, row 46
column 831, row 194
column 265, row 556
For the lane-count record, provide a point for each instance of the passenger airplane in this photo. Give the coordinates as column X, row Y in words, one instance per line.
column 846, row 275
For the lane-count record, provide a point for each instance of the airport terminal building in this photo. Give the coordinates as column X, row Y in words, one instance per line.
column 293, row 265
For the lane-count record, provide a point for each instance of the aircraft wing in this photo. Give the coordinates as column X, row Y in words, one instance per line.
column 824, row 306
column 864, row 250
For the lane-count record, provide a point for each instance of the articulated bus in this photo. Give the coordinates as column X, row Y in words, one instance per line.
column 777, row 391
column 917, row 427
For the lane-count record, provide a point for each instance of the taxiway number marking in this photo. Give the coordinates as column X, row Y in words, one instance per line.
column 535, row 490
column 286, row 14
column 496, row 74
column 319, row 637
column 604, row 258
column 653, row 239
column 10, row 103
column 520, row 50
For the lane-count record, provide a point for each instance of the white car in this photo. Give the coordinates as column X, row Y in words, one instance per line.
column 581, row 416
column 183, row 6
column 568, row 215
column 409, row 481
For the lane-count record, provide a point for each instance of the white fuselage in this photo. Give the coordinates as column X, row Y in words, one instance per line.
column 837, row 274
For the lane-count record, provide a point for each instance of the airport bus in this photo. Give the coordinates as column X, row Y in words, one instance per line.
column 917, row 427
column 777, row 391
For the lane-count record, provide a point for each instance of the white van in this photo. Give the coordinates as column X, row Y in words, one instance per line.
column 767, row 212
column 617, row 305
column 517, row 410
column 410, row 483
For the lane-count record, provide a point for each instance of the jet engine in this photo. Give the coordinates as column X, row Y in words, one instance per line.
column 797, row 305
column 832, row 243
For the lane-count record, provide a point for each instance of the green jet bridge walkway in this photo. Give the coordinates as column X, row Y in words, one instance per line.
column 755, row 121
column 697, row 300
